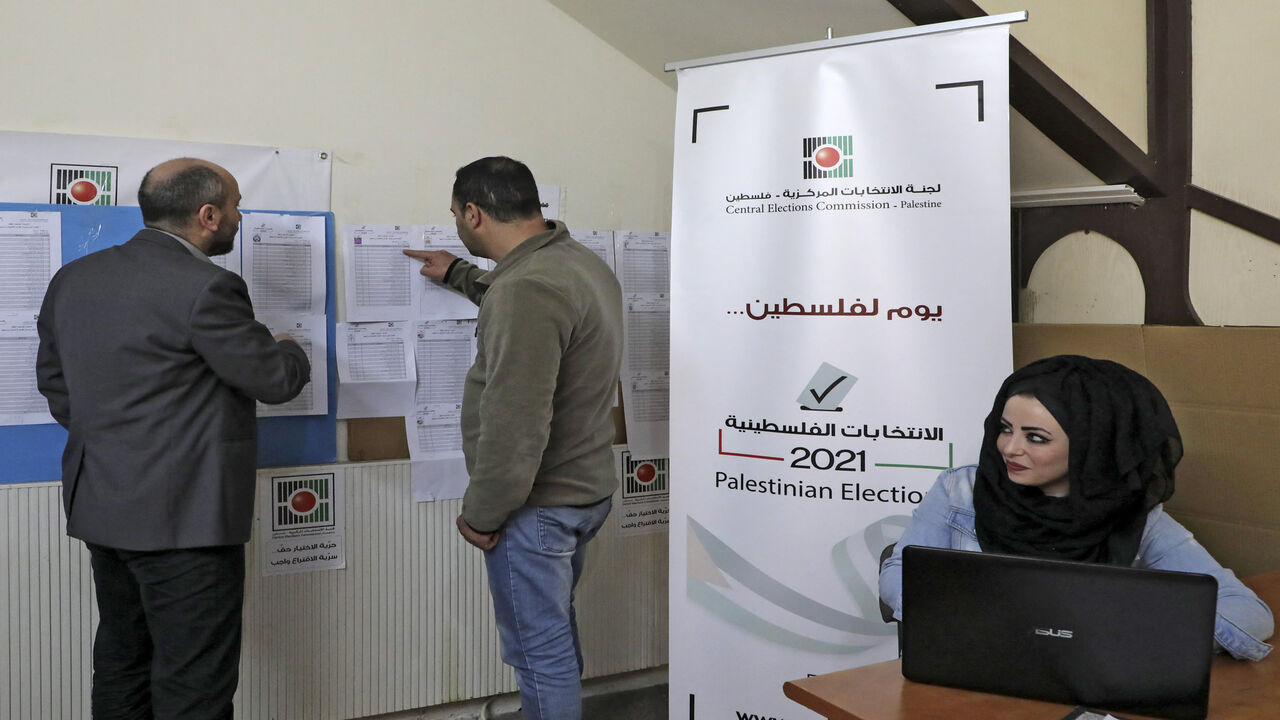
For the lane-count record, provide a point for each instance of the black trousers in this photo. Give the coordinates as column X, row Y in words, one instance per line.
column 168, row 641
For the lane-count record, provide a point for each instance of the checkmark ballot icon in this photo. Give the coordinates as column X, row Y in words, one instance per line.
column 818, row 396
column 827, row 389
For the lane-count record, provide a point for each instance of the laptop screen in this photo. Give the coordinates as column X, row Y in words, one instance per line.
column 1077, row 633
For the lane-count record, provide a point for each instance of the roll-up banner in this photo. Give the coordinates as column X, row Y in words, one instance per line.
column 840, row 320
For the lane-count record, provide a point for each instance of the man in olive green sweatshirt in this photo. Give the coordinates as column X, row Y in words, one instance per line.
column 536, row 423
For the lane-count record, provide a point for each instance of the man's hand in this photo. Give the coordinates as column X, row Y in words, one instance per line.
column 435, row 263
column 484, row 541
column 283, row 336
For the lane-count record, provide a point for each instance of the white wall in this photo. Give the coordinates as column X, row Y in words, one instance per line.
column 1235, row 276
column 1105, row 69
column 402, row 92
column 1086, row 277
column 1099, row 47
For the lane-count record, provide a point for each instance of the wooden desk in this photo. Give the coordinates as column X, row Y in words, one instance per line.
column 1238, row 690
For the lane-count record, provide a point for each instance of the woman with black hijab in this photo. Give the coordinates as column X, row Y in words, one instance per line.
column 1077, row 458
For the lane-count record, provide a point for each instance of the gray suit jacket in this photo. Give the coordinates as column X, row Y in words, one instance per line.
column 151, row 358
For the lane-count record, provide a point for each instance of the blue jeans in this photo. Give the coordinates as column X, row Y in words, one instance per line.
column 532, row 572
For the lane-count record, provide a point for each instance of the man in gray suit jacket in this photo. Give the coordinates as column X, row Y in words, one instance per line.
column 151, row 357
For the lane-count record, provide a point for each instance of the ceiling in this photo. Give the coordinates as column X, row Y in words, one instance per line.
column 656, row 32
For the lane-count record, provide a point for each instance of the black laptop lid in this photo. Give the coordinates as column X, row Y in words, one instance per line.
column 1074, row 633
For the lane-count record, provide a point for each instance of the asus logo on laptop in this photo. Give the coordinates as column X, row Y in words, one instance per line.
column 1050, row 632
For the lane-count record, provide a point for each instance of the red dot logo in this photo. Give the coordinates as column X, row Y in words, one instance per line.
column 303, row 501
column 83, row 191
column 827, row 157
column 646, row 473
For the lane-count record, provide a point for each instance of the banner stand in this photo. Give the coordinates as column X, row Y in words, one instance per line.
column 840, row 312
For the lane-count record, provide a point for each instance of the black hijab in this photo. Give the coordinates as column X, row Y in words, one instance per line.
column 1124, row 445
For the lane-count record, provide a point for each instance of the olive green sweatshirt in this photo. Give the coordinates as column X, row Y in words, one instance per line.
column 536, row 423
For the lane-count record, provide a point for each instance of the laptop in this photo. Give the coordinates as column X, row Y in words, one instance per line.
column 1076, row 633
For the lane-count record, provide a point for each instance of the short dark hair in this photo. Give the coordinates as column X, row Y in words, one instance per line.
column 502, row 187
column 176, row 199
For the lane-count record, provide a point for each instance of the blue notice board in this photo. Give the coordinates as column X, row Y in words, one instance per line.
column 33, row 453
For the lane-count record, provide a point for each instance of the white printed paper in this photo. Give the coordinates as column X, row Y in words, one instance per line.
column 309, row 331
column 302, row 520
column 444, row 479
column 20, row 401
column 375, row 369
column 433, row 435
column 599, row 242
column 443, row 352
column 30, row 253
column 284, row 262
column 230, row 260
column 549, row 197
column 435, row 301
column 380, row 278
column 643, row 268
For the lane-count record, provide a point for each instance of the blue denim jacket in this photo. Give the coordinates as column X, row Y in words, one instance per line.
column 945, row 519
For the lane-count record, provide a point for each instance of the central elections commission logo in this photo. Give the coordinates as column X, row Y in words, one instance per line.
column 302, row 501
column 828, row 156
column 82, row 184
column 643, row 477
